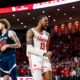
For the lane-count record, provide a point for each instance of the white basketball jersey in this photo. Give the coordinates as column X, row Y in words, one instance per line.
column 40, row 40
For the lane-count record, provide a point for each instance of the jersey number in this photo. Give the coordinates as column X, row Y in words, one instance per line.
column 43, row 46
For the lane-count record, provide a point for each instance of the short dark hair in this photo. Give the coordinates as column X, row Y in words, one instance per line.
column 5, row 22
column 40, row 17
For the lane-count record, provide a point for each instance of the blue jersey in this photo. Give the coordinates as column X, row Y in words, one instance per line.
column 6, row 40
column 7, row 57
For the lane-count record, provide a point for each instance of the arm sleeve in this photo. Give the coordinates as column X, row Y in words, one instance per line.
column 31, row 49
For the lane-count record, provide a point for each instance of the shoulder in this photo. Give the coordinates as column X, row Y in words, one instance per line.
column 47, row 33
column 29, row 32
column 11, row 33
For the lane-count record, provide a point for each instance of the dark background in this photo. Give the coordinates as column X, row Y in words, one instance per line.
column 8, row 3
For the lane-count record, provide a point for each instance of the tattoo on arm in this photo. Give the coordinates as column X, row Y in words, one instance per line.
column 29, row 37
column 16, row 40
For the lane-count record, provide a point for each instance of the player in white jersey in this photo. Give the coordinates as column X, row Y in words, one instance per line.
column 37, row 41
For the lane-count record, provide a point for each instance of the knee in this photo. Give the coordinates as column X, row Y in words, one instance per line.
column 47, row 78
column 6, row 77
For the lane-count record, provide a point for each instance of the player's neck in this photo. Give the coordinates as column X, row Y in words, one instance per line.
column 4, row 31
column 39, row 28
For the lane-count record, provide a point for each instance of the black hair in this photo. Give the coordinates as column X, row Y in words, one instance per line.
column 40, row 17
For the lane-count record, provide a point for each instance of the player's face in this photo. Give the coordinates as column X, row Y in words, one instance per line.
column 1, row 26
column 44, row 22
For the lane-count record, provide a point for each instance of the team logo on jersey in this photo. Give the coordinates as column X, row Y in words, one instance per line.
column 41, row 39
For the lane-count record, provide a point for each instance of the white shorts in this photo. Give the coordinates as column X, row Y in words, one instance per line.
column 39, row 63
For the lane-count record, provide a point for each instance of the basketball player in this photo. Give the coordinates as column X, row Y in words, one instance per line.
column 37, row 40
column 8, row 42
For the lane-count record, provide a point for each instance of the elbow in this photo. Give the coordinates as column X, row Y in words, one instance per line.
column 19, row 46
